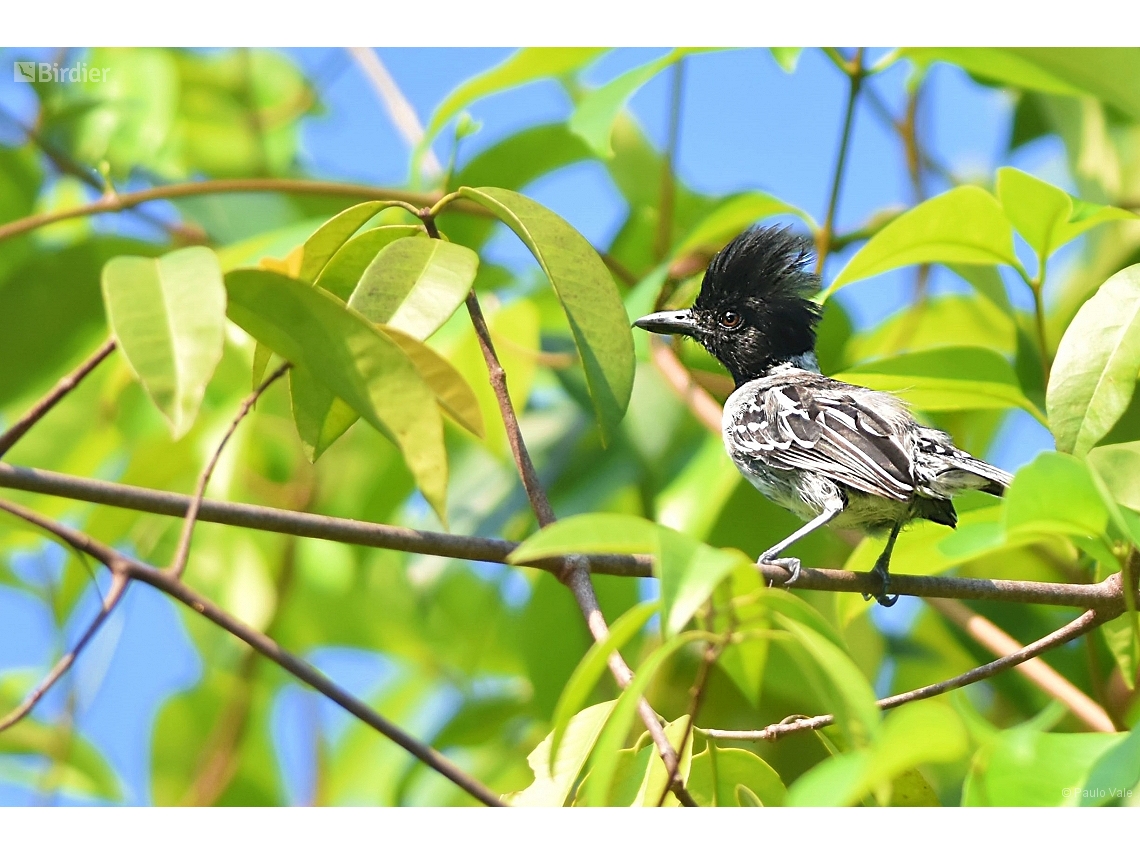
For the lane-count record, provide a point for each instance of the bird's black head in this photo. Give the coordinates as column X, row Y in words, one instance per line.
column 754, row 310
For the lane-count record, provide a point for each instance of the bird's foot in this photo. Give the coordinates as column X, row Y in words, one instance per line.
column 792, row 565
column 883, row 598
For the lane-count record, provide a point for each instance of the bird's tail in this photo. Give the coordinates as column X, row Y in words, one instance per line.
column 998, row 479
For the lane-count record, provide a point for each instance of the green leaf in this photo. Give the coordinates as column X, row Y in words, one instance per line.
column 909, row 736
column 358, row 363
column 1046, row 216
column 523, row 66
column 945, row 378
column 1105, row 73
column 343, row 271
column 551, row 789
column 689, row 569
column 320, row 416
column 586, row 290
column 965, row 225
column 590, row 669
column 1120, row 636
column 689, row 572
column 331, row 236
column 451, row 391
column 717, row 772
column 1115, row 774
column 594, row 117
column 1098, row 359
column 1055, row 494
column 849, row 695
column 606, row 755
column 1119, row 467
column 1024, row 767
column 415, row 284
column 786, row 57
column 732, row 216
column 168, row 315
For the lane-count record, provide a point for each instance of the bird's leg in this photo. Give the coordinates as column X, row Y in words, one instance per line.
column 882, row 570
column 792, row 565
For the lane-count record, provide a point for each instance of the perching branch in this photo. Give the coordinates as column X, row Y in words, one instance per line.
column 129, row 569
column 576, row 574
column 182, row 553
column 45, row 404
column 470, row 548
column 1082, row 625
column 124, row 201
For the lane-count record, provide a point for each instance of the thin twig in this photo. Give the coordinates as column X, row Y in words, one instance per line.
column 1085, row 623
column 664, row 237
column 43, row 406
column 119, row 582
column 854, row 71
column 696, row 699
column 496, row 550
column 128, row 568
column 124, row 201
column 182, row 553
column 576, row 576
column 1037, row 671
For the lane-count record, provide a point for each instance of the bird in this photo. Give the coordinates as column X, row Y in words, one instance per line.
column 828, row 451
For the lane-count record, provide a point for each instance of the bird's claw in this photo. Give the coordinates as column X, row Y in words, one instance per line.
column 791, row 565
column 883, row 598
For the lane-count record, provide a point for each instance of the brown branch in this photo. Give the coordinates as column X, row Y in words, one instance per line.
column 470, row 548
column 1075, row 629
column 43, row 406
column 182, row 553
column 125, row 201
column 128, row 568
column 119, row 582
column 576, row 574
column 1037, row 671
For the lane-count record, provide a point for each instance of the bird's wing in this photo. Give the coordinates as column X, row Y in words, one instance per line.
column 829, row 431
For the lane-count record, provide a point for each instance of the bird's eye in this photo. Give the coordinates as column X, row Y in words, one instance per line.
column 729, row 320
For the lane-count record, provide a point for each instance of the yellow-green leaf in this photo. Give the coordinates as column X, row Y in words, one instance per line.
column 357, row 362
column 965, row 225
column 1094, row 373
column 168, row 315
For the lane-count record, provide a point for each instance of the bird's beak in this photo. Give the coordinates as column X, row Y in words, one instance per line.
column 669, row 323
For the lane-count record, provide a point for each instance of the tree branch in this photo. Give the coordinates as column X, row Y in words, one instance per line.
column 124, row 201
column 128, row 568
column 43, row 406
column 1075, row 629
column 182, row 553
column 1037, row 671
column 119, row 582
column 470, row 548
column 576, row 574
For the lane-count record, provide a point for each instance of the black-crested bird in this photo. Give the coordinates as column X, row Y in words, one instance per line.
column 828, row 451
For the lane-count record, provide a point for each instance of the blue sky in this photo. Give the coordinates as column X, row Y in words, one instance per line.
column 745, row 124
